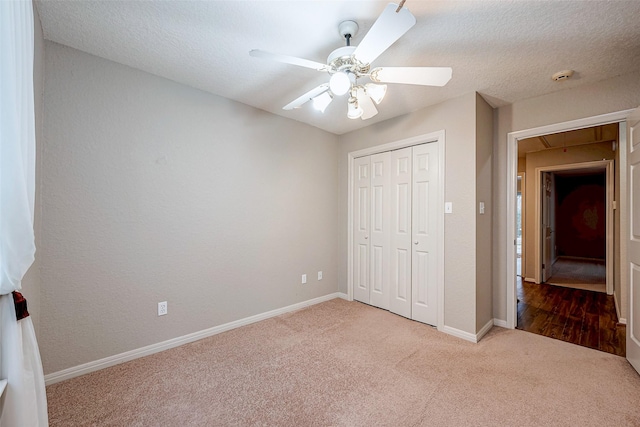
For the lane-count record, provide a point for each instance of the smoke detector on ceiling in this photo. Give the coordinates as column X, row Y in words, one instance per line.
column 562, row 75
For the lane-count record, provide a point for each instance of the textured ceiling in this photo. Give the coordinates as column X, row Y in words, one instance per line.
column 507, row 51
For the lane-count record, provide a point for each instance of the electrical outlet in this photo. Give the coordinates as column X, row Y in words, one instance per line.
column 162, row 308
column 319, row 275
column 304, row 279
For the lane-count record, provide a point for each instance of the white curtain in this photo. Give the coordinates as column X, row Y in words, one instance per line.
column 24, row 402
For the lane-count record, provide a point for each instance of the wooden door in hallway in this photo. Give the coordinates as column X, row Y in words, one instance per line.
column 547, row 225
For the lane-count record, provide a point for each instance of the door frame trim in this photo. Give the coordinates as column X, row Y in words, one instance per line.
column 512, row 178
column 438, row 138
column 608, row 165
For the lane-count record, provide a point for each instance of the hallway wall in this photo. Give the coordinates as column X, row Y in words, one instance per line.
column 581, row 216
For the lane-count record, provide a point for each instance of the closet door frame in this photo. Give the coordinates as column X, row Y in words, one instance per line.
column 430, row 138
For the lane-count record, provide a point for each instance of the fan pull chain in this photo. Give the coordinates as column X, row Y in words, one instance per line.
column 400, row 6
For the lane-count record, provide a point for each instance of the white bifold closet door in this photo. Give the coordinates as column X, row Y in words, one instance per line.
column 361, row 221
column 379, row 235
column 424, row 264
column 401, row 248
column 395, row 264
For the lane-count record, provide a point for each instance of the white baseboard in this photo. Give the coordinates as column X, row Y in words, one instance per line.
column 530, row 279
column 96, row 365
column 500, row 322
column 343, row 296
column 486, row 328
column 617, row 305
column 467, row 336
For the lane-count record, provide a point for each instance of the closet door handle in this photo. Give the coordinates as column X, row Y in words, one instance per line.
column 415, row 243
column 366, row 237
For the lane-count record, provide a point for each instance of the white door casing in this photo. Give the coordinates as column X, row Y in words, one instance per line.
column 424, row 265
column 361, row 221
column 379, row 233
column 511, row 176
column 401, row 247
column 633, row 249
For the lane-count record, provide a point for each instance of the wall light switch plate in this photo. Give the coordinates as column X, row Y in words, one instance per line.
column 481, row 208
column 448, row 207
column 304, row 279
column 319, row 275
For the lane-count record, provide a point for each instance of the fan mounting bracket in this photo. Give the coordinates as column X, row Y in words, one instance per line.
column 348, row 28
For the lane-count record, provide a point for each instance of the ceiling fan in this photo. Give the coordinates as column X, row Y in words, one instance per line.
column 347, row 65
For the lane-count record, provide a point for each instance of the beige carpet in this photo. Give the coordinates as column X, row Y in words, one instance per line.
column 347, row 364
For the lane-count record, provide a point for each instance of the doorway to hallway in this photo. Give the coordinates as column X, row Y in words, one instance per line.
column 561, row 287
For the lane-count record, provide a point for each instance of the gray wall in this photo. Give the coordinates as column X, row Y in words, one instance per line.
column 457, row 117
column 155, row 191
column 484, row 229
column 607, row 96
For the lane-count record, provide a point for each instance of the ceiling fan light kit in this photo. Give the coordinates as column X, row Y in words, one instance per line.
column 322, row 101
column 354, row 111
column 348, row 64
column 376, row 92
column 339, row 83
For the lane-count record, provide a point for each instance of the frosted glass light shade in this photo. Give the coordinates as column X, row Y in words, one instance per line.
column 364, row 101
column 339, row 83
column 376, row 92
column 354, row 110
column 322, row 101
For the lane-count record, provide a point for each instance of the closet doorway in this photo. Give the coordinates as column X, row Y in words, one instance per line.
column 396, row 221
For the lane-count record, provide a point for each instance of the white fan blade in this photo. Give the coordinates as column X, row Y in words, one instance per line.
column 428, row 76
column 388, row 28
column 288, row 59
column 364, row 101
column 296, row 103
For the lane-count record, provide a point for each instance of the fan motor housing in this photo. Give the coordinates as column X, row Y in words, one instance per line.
column 342, row 59
column 341, row 56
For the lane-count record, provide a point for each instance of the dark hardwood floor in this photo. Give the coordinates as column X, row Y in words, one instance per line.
column 582, row 317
